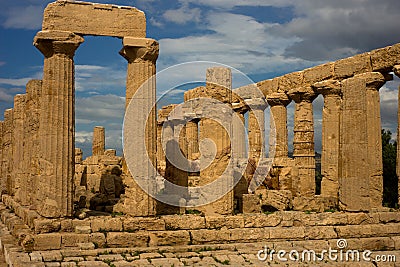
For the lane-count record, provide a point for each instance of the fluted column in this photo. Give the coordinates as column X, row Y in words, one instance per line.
column 256, row 128
column 18, row 173
column 303, row 140
column 279, row 141
column 396, row 70
column 331, row 114
column 57, row 122
column 360, row 177
column 374, row 81
column 218, row 86
column 8, row 149
column 2, row 179
column 31, row 137
column 99, row 140
column 141, row 54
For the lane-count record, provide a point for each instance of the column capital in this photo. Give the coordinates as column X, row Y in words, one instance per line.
column 396, row 70
column 278, row 99
column 256, row 103
column 57, row 42
column 139, row 49
column 302, row 94
column 373, row 80
column 328, row 87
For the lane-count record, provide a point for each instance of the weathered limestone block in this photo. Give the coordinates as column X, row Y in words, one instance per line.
column 184, row 222
column 218, row 222
column 56, row 131
column 169, row 238
column 149, row 224
column 268, row 87
column 99, row 141
column 353, row 65
column 94, row 19
column 316, row 203
column 121, row 240
column 291, row 80
column 277, row 199
column 318, row 73
column 78, row 156
column 251, row 203
column 384, row 59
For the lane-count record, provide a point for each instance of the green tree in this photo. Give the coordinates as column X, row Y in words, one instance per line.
column 390, row 184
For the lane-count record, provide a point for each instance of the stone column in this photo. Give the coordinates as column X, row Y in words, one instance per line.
column 57, row 122
column 303, row 140
column 374, row 81
column 2, row 180
column 20, row 186
column 279, row 142
column 99, row 141
column 7, row 150
column 218, row 86
column 361, row 155
column 141, row 54
column 31, row 137
column 331, row 113
column 193, row 153
column 396, row 70
column 256, row 128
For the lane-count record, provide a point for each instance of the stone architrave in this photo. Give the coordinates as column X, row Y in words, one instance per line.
column 331, row 114
column 218, row 83
column 57, row 122
column 303, row 140
column 141, row 54
column 99, row 140
column 19, row 173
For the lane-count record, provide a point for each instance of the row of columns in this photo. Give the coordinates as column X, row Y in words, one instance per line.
column 37, row 137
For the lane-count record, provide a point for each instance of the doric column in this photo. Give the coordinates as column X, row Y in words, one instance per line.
column 31, row 137
column 18, row 173
column 331, row 114
column 7, row 150
column 141, row 54
column 396, row 70
column 2, row 179
column 218, row 86
column 99, row 140
column 239, row 135
column 374, row 81
column 256, row 128
column 303, row 140
column 57, row 122
column 278, row 121
column 360, row 177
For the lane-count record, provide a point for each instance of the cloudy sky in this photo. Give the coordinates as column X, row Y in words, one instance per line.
column 261, row 38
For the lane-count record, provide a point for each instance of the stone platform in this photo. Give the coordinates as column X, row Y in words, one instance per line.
column 178, row 240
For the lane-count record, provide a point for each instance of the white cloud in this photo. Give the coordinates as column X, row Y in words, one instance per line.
column 100, row 108
column 6, row 95
column 238, row 41
column 183, row 15
column 15, row 82
column 96, row 78
column 2, row 63
column 229, row 4
column 24, row 17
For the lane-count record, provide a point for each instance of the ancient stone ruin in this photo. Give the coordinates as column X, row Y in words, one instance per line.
column 58, row 205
